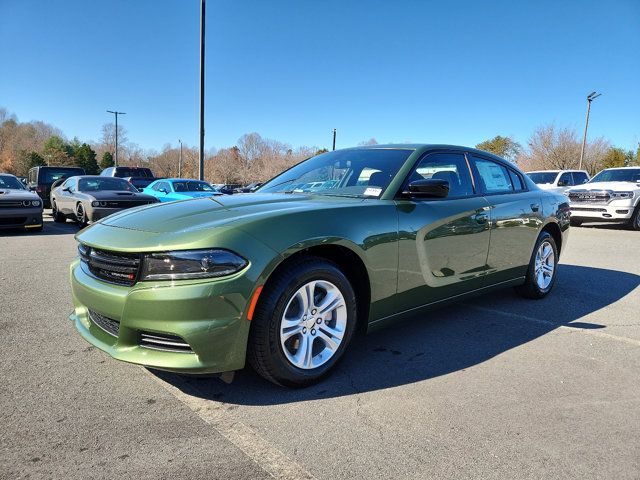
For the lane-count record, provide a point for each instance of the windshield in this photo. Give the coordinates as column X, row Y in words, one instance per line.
column 10, row 182
column 96, row 184
column 622, row 175
column 192, row 187
column 353, row 173
column 543, row 177
column 50, row 175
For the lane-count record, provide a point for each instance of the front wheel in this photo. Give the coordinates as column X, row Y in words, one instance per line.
column 303, row 323
column 81, row 216
column 634, row 223
column 543, row 268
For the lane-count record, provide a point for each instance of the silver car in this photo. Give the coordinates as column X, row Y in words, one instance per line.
column 89, row 198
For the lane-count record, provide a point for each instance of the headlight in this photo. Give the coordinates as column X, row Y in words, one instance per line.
column 191, row 264
column 95, row 204
column 619, row 195
column 103, row 204
column 35, row 203
column 26, row 203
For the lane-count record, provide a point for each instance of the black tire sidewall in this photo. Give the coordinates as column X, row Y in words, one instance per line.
column 273, row 309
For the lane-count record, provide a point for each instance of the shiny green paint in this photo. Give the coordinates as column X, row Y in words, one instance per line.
column 411, row 250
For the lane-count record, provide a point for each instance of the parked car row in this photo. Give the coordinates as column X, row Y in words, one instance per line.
column 613, row 195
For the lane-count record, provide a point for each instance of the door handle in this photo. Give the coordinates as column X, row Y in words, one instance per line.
column 481, row 218
column 535, row 207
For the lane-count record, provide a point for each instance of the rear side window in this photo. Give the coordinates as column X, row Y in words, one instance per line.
column 516, row 180
column 494, row 177
column 451, row 167
column 579, row 178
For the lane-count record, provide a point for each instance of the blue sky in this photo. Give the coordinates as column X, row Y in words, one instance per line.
column 447, row 72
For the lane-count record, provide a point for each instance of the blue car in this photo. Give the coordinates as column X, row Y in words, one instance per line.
column 172, row 189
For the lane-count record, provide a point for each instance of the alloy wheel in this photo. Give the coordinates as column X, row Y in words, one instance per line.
column 545, row 265
column 313, row 325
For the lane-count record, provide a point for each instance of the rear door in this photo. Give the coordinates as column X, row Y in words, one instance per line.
column 443, row 242
column 516, row 217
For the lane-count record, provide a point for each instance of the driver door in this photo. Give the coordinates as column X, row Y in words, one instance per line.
column 64, row 199
column 443, row 242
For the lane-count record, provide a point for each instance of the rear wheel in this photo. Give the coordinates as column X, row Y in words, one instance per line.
column 81, row 216
column 543, row 267
column 57, row 216
column 303, row 323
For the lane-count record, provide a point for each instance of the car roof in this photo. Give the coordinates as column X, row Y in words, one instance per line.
column 424, row 147
column 622, row 168
column 7, row 175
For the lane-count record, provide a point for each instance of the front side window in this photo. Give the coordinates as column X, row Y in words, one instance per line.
column 565, row 180
column 359, row 172
column 451, row 167
column 494, row 177
column 579, row 178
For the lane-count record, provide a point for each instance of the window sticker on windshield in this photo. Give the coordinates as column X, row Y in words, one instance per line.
column 372, row 192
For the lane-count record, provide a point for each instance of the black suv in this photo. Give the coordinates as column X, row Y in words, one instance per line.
column 41, row 178
column 139, row 177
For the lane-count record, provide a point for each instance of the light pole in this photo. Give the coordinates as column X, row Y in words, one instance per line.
column 180, row 160
column 591, row 97
column 334, row 139
column 115, row 162
column 202, row 22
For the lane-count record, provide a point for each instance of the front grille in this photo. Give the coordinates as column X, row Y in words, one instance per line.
column 12, row 220
column 109, row 325
column 589, row 196
column 126, row 203
column 586, row 209
column 164, row 342
column 13, row 204
column 113, row 267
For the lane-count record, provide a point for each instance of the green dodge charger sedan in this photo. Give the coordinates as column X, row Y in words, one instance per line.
column 283, row 277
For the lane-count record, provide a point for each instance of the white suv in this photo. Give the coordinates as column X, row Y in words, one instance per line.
column 558, row 180
column 613, row 195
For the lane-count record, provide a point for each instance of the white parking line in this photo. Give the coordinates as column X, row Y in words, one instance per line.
column 265, row 455
column 595, row 333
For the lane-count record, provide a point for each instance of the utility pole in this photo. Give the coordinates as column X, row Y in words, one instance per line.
column 591, row 97
column 180, row 160
column 202, row 22
column 334, row 139
column 115, row 162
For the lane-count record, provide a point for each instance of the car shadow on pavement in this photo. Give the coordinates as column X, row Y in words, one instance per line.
column 50, row 228
column 437, row 343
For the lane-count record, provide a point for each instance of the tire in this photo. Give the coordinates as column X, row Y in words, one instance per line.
column 57, row 216
column 280, row 331
column 81, row 216
column 634, row 223
column 535, row 287
column 575, row 222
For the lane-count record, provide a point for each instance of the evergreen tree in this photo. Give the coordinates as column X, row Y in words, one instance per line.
column 106, row 161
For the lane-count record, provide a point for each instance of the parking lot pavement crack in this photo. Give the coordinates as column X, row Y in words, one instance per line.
column 259, row 450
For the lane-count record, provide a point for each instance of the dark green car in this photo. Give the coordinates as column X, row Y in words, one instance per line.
column 351, row 239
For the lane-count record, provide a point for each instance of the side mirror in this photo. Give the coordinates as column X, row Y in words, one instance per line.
column 562, row 183
column 163, row 190
column 428, row 188
column 66, row 189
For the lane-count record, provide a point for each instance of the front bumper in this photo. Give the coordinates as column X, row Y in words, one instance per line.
column 601, row 212
column 98, row 213
column 21, row 218
column 208, row 315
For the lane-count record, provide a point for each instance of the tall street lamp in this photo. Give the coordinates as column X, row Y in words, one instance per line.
column 115, row 162
column 591, row 97
column 202, row 22
column 334, row 139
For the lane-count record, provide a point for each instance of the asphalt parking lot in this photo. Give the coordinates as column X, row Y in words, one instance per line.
column 497, row 387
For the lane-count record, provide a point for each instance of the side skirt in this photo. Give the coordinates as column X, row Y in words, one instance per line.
column 412, row 312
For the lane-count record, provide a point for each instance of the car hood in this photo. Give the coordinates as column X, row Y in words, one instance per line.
column 205, row 213
column 114, row 195
column 15, row 194
column 546, row 186
column 615, row 186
